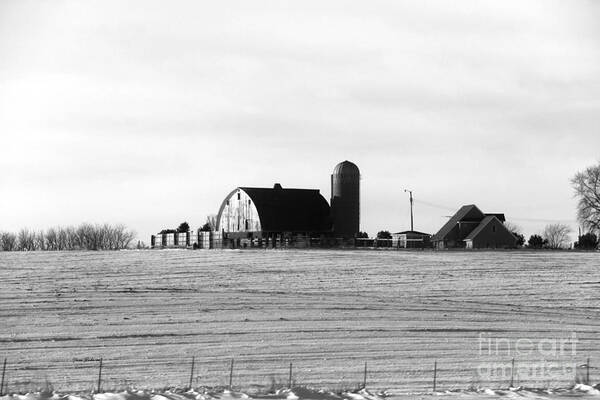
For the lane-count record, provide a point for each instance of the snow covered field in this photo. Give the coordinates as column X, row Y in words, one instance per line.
column 579, row 392
column 147, row 313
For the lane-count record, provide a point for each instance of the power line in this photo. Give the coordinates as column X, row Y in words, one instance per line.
column 543, row 220
column 526, row 219
column 427, row 203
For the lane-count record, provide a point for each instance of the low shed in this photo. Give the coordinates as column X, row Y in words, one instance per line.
column 411, row 240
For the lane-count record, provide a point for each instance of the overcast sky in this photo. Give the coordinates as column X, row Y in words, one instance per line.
column 149, row 113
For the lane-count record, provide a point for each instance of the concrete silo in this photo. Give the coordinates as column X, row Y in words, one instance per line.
column 345, row 199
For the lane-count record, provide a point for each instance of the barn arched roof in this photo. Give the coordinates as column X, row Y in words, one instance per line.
column 289, row 210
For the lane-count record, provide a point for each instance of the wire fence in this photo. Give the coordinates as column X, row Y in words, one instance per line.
column 98, row 375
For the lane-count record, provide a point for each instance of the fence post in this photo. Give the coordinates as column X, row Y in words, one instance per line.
column 512, row 374
column 587, row 374
column 290, row 377
column 100, row 376
column 434, row 374
column 192, row 373
column 3, row 373
column 365, row 377
column 231, row 375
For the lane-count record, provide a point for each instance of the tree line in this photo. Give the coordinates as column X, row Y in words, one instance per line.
column 557, row 236
column 83, row 237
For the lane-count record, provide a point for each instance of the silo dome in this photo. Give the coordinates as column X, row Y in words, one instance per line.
column 345, row 199
column 346, row 168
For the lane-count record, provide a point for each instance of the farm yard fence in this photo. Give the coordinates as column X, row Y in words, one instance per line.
column 19, row 377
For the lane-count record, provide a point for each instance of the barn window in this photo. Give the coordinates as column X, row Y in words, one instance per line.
column 494, row 228
column 246, row 224
column 239, row 195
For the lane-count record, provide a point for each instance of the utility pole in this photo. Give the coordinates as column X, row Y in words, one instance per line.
column 100, row 376
column 231, row 375
column 365, row 377
column 3, row 373
column 512, row 374
column 411, row 208
column 290, row 378
column 587, row 375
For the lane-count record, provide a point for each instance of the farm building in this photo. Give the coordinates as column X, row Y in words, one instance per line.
column 171, row 239
column 192, row 239
column 472, row 229
column 278, row 216
column 256, row 216
column 411, row 240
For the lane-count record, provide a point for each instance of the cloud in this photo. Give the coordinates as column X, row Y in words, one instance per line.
column 135, row 103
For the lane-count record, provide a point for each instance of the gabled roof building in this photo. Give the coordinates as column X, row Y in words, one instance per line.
column 472, row 229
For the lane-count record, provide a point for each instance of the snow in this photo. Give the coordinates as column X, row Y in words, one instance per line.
column 146, row 313
column 578, row 392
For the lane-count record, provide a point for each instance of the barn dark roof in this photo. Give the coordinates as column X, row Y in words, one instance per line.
column 500, row 216
column 413, row 232
column 480, row 227
column 468, row 213
column 290, row 210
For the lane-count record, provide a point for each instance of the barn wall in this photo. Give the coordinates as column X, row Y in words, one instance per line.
column 239, row 214
column 488, row 238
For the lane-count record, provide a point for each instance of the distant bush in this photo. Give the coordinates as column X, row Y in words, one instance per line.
column 362, row 235
column 83, row 237
column 589, row 241
column 536, row 242
column 384, row 235
column 520, row 239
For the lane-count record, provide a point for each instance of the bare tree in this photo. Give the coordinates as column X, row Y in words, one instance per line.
column 8, row 241
column 557, row 236
column 107, row 237
column 40, row 240
column 25, row 240
column 70, row 239
column 63, row 239
column 124, row 236
column 587, row 189
column 52, row 239
column 83, row 237
column 517, row 231
column 514, row 228
column 211, row 220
